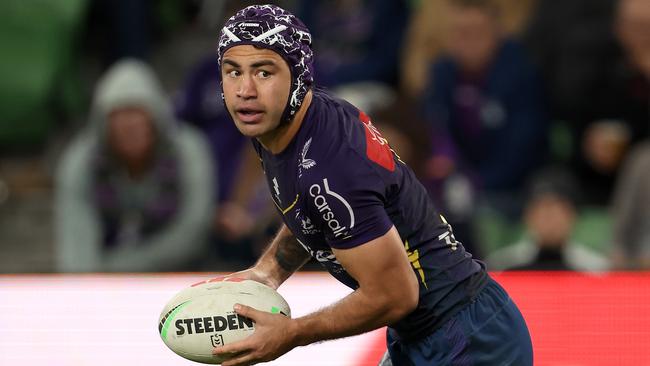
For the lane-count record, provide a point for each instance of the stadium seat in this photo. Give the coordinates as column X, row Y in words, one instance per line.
column 36, row 68
column 594, row 228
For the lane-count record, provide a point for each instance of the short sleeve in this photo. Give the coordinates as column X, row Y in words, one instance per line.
column 346, row 201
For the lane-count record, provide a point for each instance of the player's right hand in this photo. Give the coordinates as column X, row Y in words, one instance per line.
column 247, row 274
column 251, row 274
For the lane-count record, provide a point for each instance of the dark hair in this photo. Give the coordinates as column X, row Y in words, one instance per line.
column 554, row 180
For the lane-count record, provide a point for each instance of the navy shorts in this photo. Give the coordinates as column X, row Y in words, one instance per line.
column 489, row 331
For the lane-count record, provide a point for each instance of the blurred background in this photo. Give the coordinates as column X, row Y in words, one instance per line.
column 527, row 121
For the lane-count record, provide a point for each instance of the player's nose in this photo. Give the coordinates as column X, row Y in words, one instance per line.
column 247, row 88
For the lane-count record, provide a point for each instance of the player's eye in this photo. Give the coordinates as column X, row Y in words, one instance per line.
column 232, row 73
column 263, row 74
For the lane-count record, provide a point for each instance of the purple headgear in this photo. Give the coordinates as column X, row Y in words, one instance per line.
column 271, row 27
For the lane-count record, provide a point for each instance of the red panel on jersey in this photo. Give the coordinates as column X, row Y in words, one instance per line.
column 377, row 148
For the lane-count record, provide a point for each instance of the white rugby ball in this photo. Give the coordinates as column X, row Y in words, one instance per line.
column 201, row 317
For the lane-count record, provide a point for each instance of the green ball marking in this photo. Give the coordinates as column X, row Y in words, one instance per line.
column 169, row 319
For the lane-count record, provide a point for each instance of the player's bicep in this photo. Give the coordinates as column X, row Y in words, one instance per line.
column 381, row 267
column 349, row 208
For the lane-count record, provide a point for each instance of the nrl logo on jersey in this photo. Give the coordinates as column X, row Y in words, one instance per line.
column 304, row 162
column 305, row 223
column 322, row 256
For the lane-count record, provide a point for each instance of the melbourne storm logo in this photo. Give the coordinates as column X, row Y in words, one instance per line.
column 323, row 198
column 304, row 162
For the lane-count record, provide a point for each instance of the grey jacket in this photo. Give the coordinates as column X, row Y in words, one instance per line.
column 631, row 206
column 79, row 230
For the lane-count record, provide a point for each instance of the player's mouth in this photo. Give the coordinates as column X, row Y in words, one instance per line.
column 249, row 115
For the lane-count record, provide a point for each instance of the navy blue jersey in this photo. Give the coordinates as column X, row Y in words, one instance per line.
column 338, row 184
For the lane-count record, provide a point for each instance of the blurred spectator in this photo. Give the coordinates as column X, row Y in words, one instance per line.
column 133, row 188
column 425, row 37
column 631, row 212
column 355, row 40
column 595, row 65
column 119, row 29
column 245, row 211
column 199, row 103
column 550, row 215
column 622, row 101
column 487, row 111
column 164, row 33
column 357, row 46
column 571, row 42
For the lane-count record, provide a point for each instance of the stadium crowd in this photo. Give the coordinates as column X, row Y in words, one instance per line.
column 527, row 120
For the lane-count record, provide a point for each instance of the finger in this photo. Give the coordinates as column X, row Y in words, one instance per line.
column 228, row 356
column 244, row 359
column 215, row 279
column 247, row 311
column 235, row 347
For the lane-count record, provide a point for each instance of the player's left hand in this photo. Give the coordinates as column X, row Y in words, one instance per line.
column 272, row 338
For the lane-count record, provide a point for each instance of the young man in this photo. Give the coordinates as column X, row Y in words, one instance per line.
column 347, row 200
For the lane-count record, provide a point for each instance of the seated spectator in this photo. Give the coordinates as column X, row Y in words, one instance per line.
column 486, row 108
column 357, row 40
column 244, row 211
column 595, row 56
column 621, row 99
column 550, row 215
column 570, row 41
column 425, row 36
column 357, row 47
column 134, row 187
column 199, row 103
column 631, row 212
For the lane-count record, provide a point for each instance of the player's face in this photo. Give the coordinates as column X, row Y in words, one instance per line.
column 256, row 85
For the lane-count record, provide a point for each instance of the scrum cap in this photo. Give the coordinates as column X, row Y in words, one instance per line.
column 271, row 27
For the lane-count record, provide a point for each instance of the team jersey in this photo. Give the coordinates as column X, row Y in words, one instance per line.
column 338, row 184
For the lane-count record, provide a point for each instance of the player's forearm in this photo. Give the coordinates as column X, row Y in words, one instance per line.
column 357, row 313
column 282, row 258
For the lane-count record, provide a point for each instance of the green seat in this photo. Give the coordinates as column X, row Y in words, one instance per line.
column 495, row 231
column 594, row 228
column 560, row 142
column 36, row 67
